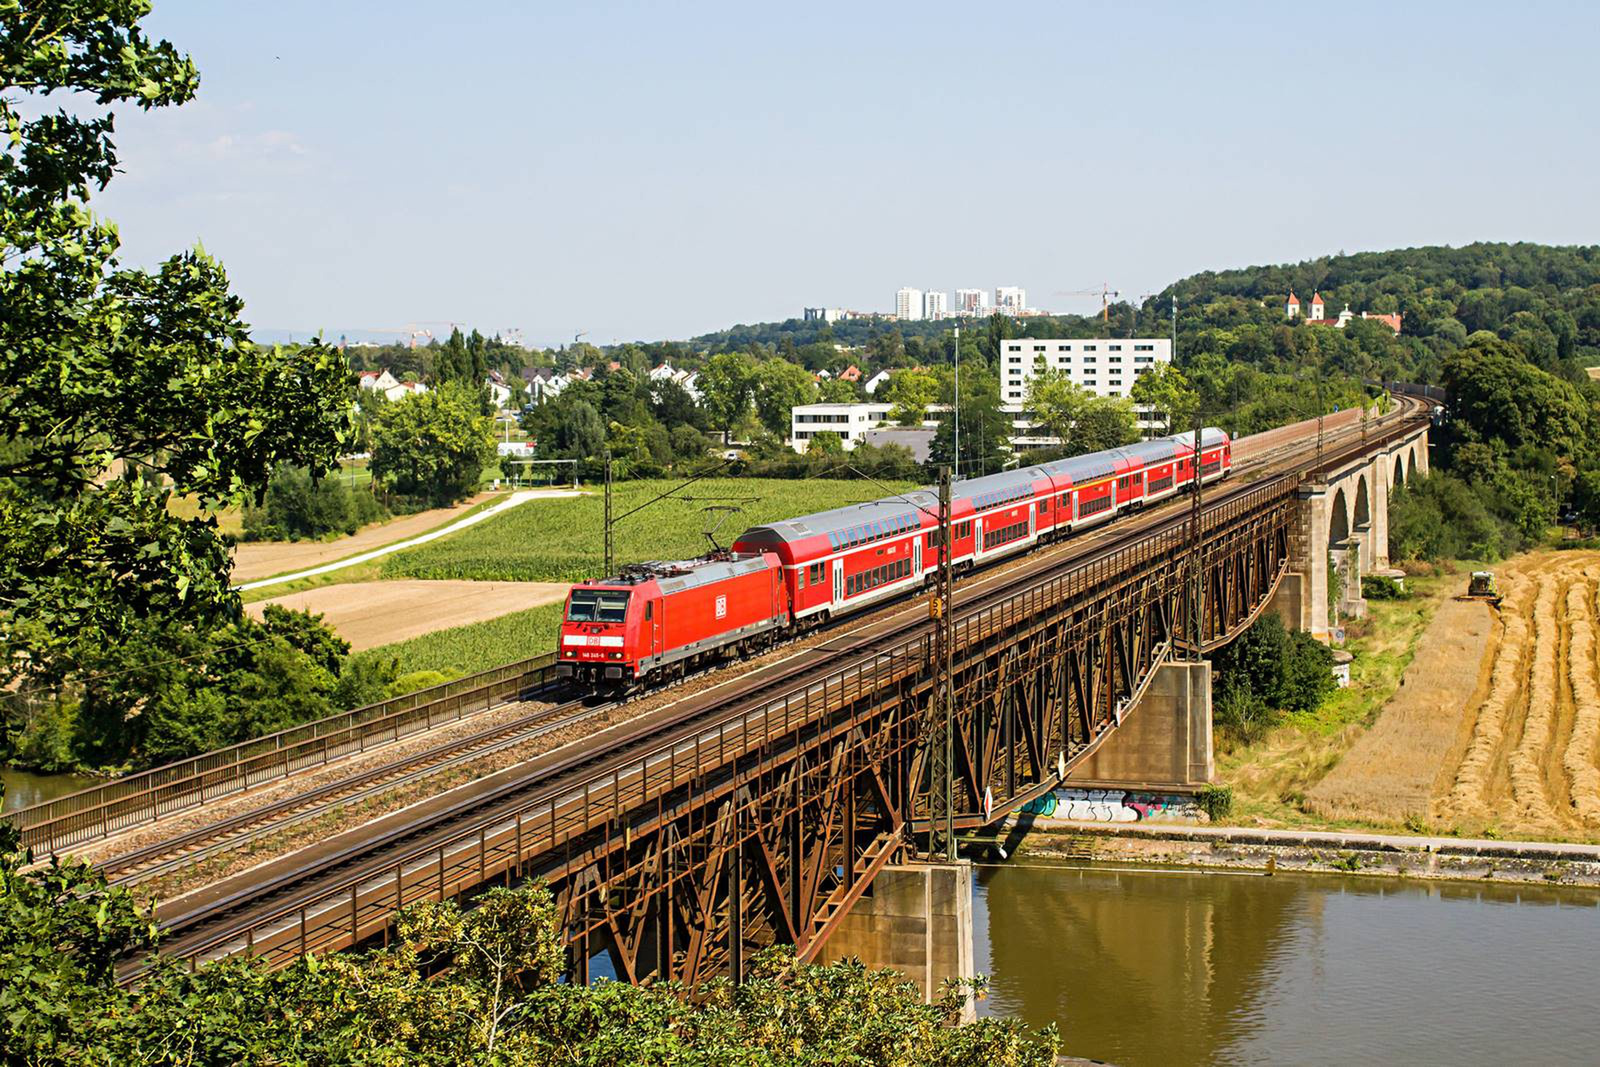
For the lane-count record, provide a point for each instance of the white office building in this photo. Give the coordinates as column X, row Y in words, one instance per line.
column 824, row 314
column 972, row 301
column 849, row 421
column 1102, row 366
column 908, row 305
column 934, row 305
column 1010, row 300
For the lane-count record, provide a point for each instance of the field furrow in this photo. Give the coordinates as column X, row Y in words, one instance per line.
column 1469, row 796
column 1578, row 759
column 1526, row 762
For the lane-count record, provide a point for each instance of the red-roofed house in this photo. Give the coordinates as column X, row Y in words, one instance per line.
column 1318, row 315
column 852, row 373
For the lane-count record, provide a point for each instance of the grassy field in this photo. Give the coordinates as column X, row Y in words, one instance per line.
column 480, row 646
column 561, row 540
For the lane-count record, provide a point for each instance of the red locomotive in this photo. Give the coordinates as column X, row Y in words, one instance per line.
column 661, row 619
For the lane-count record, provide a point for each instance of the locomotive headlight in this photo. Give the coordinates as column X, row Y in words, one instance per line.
column 616, row 655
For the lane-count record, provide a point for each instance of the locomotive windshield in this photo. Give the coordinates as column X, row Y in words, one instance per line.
column 602, row 605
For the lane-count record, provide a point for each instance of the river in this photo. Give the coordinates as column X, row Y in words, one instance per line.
column 25, row 789
column 1140, row 967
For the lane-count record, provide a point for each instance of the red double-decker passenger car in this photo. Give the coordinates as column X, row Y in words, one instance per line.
column 660, row 619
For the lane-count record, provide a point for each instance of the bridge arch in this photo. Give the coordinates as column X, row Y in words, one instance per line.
column 1411, row 463
column 1399, row 471
column 1338, row 519
column 1362, row 515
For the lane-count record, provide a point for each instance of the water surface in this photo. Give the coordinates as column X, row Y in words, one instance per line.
column 1168, row 968
column 25, row 788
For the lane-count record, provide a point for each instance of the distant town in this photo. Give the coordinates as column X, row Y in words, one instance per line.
column 923, row 305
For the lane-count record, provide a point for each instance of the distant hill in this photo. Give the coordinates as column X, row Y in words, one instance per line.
column 1543, row 299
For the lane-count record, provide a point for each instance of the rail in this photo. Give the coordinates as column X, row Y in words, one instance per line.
column 122, row 803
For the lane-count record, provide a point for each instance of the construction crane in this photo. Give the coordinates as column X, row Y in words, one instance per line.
column 1106, row 295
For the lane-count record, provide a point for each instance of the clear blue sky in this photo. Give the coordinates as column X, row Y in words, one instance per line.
column 658, row 170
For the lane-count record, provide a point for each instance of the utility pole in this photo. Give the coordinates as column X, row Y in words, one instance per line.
column 1319, row 418
column 1196, row 553
column 1174, row 326
column 609, row 556
column 956, row 449
column 941, row 739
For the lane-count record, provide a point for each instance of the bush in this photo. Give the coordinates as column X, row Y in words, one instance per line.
column 1378, row 587
column 1216, row 801
column 297, row 507
column 1241, row 715
column 1267, row 670
column 415, row 680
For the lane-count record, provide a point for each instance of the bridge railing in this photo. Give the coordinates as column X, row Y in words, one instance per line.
column 122, row 803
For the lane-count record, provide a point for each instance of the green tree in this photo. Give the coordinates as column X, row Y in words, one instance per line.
column 838, row 391
column 1104, row 422
column 432, row 448
column 1165, row 390
column 726, row 386
column 779, row 387
column 910, row 391
column 299, row 506
column 464, row 360
column 120, row 387
column 985, row 429
column 1056, row 401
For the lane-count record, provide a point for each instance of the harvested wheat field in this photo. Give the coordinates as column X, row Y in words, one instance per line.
column 1526, row 753
column 1390, row 774
column 368, row 614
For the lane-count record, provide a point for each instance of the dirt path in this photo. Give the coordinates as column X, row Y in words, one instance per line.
column 262, row 559
column 368, row 614
column 1390, row 772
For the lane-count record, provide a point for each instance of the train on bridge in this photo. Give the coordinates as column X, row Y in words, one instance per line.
column 657, row 621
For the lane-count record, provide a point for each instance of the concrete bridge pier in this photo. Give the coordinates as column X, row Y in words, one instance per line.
column 916, row 918
column 1341, row 533
column 1164, row 740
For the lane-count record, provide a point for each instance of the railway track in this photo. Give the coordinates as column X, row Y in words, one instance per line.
column 213, row 923
column 141, row 864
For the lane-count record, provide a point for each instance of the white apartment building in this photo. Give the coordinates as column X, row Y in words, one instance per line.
column 849, row 421
column 1102, row 366
column 934, row 305
column 824, row 314
column 1010, row 300
column 908, row 305
column 972, row 301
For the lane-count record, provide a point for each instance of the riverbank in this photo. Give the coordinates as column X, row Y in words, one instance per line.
column 1239, row 848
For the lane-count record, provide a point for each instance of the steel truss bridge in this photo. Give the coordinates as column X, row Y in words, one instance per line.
column 757, row 812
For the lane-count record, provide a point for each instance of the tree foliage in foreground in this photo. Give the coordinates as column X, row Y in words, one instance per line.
column 119, row 387
column 456, row 988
